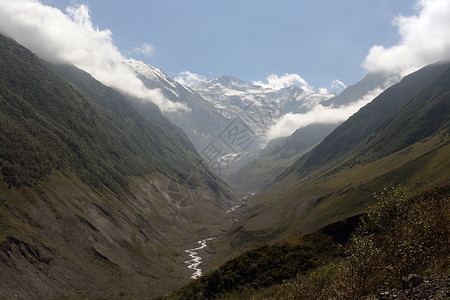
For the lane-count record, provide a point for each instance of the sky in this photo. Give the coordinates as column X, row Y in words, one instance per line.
column 321, row 40
column 323, row 45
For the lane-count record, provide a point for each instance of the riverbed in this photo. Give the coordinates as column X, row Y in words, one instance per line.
column 196, row 260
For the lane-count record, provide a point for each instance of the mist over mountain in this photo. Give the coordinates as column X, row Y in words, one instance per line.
column 93, row 194
column 221, row 108
column 359, row 126
column 391, row 139
column 118, row 181
column 284, row 151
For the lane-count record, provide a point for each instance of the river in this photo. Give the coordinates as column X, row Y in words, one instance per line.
column 243, row 200
column 196, row 259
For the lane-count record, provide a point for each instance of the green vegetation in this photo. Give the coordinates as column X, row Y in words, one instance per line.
column 430, row 82
column 423, row 115
column 401, row 137
column 262, row 171
column 49, row 123
column 399, row 236
column 262, row 267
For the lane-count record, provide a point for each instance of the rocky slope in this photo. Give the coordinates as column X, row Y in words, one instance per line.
column 229, row 118
column 281, row 153
column 96, row 200
column 400, row 137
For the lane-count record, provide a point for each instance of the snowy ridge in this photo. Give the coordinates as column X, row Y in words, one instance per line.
column 154, row 74
column 259, row 107
column 221, row 105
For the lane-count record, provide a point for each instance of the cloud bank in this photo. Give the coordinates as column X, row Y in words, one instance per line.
column 70, row 37
column 318, row 114
column 424, row 39
column 189, row 78
column 276, row 82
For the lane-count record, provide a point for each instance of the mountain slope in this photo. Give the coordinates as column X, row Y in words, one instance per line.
column 347, row 136
column 219, row 106
column 173, row 138
column 28, row 92
column 370, row 82
column 426, row 113
column 315, row 192
column 200, row 124
column 259, row 173
column 96, row 200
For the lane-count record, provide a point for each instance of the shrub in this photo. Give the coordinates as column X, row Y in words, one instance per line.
column 398, row 236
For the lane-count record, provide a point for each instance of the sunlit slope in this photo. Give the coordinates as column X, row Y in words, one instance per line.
column 272, row 161
column 88, row 205
column 261, row 172
column 408, row 146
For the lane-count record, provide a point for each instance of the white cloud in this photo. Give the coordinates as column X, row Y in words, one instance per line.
column 318, row 114
column 338, row 85
column 146, row 49
column 424, row 39
column 323, row 91
column 189, row 79
column 276, row 82
column 71, row 37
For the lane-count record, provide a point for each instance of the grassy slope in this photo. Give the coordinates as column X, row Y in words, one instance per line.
column 84, row 202
column 170, row 138
column 399, row 236
column 347, row 138
column 66, row 239
column 48, row 123
column 261, row 172
column 336, row 195
column 418, row 167
column 302, row 201
column 262, row 267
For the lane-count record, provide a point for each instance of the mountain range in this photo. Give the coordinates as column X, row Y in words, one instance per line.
column 221, row 105
column 101, row 194
column 402, row 136
column 95, row 198
column 282, row 152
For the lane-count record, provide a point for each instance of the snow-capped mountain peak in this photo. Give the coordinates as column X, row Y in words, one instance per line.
column 225, row 106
